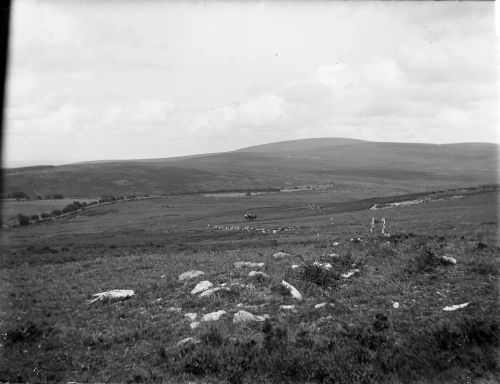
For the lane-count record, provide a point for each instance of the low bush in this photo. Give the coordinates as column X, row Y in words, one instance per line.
column 23, row 219
column 26, row 332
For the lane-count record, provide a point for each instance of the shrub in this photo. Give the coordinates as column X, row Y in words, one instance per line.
column 319, row 275
column 23, row 333
column 35, row 217
column 45, row 215
column 57, row 196
column 23, row 219
column 56, row 212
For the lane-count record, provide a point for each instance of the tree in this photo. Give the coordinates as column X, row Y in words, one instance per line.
column 19, row 195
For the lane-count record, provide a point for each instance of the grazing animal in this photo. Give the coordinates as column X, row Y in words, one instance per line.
column 250, row 217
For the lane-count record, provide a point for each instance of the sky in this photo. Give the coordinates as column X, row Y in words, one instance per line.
column 98, row 80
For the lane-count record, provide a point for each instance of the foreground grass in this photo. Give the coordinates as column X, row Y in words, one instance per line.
column 49, row 332
column 54, row 335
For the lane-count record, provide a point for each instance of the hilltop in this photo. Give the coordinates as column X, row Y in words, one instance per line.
column 339, row 163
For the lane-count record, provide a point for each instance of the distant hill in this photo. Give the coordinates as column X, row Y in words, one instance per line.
column 344, row 163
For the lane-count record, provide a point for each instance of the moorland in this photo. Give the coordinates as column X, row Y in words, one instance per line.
column 375, row 307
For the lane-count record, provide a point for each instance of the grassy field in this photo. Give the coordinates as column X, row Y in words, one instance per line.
column 50, row 332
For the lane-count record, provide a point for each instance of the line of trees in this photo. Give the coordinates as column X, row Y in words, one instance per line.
column 20, row 195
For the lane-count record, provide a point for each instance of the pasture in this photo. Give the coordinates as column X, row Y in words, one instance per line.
column 384, row 323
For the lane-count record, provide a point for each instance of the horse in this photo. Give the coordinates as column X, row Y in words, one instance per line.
column 250, row 217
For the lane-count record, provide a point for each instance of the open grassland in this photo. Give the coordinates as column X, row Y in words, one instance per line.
column 50, row 332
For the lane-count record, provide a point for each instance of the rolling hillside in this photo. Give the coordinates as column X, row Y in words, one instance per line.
column 342, row 163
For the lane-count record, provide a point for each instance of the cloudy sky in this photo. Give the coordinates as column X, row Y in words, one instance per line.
column 143, row 79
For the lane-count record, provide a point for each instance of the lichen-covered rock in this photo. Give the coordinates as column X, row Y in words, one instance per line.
column 248, row 264
column 201, row 286
column 174, row 309
column 213, row 316
column 281, row 255
column 190, row 275
column 448, row 260
column 188, row 340
column 115, row 294
column 194, row 324
column 245, row 317
column 293, row 291
column 350, row 273
column 211, row 291
column 258, row 274
column 326, row 266
column 455, row 307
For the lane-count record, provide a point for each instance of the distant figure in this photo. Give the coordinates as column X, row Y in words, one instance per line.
column 374, row 221
column 250, row 217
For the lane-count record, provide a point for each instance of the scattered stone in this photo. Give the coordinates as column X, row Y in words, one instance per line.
column 244, row 317
column 115, row 294
column 211, row 291
column 201, row 286
column 188, row 340
column 448, row 260
column 194, row 324
column 321, row 305
column 350, row 273
column 191, row 316
column 293, row 291
column 190, row 275
column 258, row 274
column 335, row 243
column 174, row 309
column 287, row 307
column 395, row 305
column 335, row 255
column 213, row 316
column 249, row 264
column 323, row 265
column 295, row 266
column 281, row 255
column 240, row 305
column 455, row 307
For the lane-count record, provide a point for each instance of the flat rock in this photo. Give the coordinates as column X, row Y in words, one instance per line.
column 190, row 275
column 213, row 316
column 448, row 260
column 211, row 291
column 191, row 316
column 115, row 294
column 174, row 309
column 281, row 255
column 188, row 340
column 455, row 307
column 245, row 317
column 201, row 286
column 258, row 274
column 350, row 273
column 293, row 291
column 248, row 264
